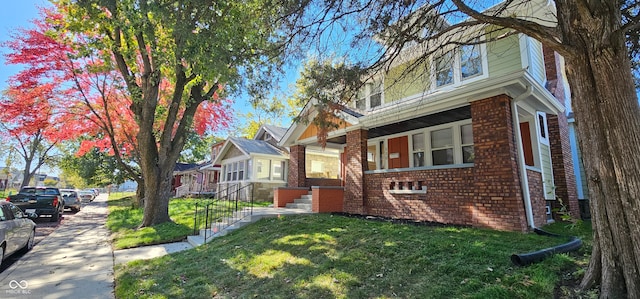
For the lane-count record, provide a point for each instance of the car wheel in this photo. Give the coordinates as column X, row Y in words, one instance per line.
column 30, row 242
column 55, row 217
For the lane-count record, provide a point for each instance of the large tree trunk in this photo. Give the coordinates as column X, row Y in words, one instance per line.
column 140, row 192
column 157, row 186
column 608, row 125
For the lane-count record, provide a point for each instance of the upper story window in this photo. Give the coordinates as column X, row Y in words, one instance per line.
column 444, row 69
column 470, row 61
column 463, row 63
column 370, row 96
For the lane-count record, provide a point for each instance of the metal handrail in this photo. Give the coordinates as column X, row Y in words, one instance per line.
column 225, row 211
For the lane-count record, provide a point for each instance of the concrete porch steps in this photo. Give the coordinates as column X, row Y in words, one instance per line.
column 223, row 228
column 304, row 202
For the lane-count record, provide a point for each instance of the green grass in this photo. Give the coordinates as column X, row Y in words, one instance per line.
column 125, row 218
column 325, row 256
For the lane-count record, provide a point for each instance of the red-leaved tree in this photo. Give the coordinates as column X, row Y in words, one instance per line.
column 96, row 105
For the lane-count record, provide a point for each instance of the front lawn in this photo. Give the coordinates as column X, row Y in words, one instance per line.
column 125, row 218
column 330, row 256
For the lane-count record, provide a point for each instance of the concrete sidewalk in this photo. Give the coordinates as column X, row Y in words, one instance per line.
column 75, row 261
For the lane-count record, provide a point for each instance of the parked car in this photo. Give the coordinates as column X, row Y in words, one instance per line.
column 17, row 230
column 86, row 195
column 39, row 200
column 71, row 199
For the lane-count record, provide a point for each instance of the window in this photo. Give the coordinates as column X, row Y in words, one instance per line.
column 370, row 96
column 418, row 149
column 470, row 61
column 543, row 131
column 371, row 157
column 241, row 170
column 442, row 146
column 444, row 70
column 466, row 132
column 17, row 212
column 228, row 167
column 439, row 145
column 263, row 166
column 375, row 96
column 278, row 170
column 235, row 171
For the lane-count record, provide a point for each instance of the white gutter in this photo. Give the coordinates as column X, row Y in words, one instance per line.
column 524, row 181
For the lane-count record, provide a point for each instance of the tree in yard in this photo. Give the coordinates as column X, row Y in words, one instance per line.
column 199, row 48
column 590, row 35
column 29, row 124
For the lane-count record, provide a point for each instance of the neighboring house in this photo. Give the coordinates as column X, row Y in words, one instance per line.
column 191, row 179
column 253, row 167
column 479, row 137
column 578, row 168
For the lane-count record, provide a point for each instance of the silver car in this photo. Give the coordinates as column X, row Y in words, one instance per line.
column 17, row 230
column 71, row 199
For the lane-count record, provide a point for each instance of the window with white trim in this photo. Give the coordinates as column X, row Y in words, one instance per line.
column 278, row 170
column 442, row 146
column 447, row 144
column 417, row 149
column 543, row 129
column 444, row 69
column 263, row 167
column 466, row 62
column 370, row 96
column 466, row 137
column 470, row 61
column 241, row 170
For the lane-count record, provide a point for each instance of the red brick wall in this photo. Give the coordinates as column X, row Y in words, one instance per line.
column 536, row 194
column 563, row 175
column 297, row 174
column 327, row 199
column 447, row 200
column 356, row 153
column 282, row 196
column 498, row 197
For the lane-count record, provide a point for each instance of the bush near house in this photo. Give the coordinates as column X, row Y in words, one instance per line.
column 330, row 256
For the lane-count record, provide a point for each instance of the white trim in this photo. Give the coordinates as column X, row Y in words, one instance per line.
column 543, row 138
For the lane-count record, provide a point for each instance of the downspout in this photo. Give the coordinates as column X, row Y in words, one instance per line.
column 524, row 181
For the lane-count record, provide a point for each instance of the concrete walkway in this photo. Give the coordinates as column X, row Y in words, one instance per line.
column 75, row 261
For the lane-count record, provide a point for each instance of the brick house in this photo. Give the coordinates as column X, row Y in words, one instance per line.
column 479, row 137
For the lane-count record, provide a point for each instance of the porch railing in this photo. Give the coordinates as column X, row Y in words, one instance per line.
column 232, row 205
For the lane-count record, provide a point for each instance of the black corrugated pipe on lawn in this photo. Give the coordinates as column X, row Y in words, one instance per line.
column 525, row 259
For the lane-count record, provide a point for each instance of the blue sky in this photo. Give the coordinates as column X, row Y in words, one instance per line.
column 13, row 15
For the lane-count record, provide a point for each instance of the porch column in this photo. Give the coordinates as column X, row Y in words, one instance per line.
column 564, row 178
column 356, row 164
column 297, row 173
column 497, row 199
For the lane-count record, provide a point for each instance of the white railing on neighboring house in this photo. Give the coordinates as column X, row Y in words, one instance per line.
column 182, row 191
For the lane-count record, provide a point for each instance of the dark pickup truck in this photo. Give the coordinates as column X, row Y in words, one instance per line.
column 39, row 200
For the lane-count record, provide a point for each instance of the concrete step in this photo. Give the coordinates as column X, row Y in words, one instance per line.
column 303, row 206
column 303, row 200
